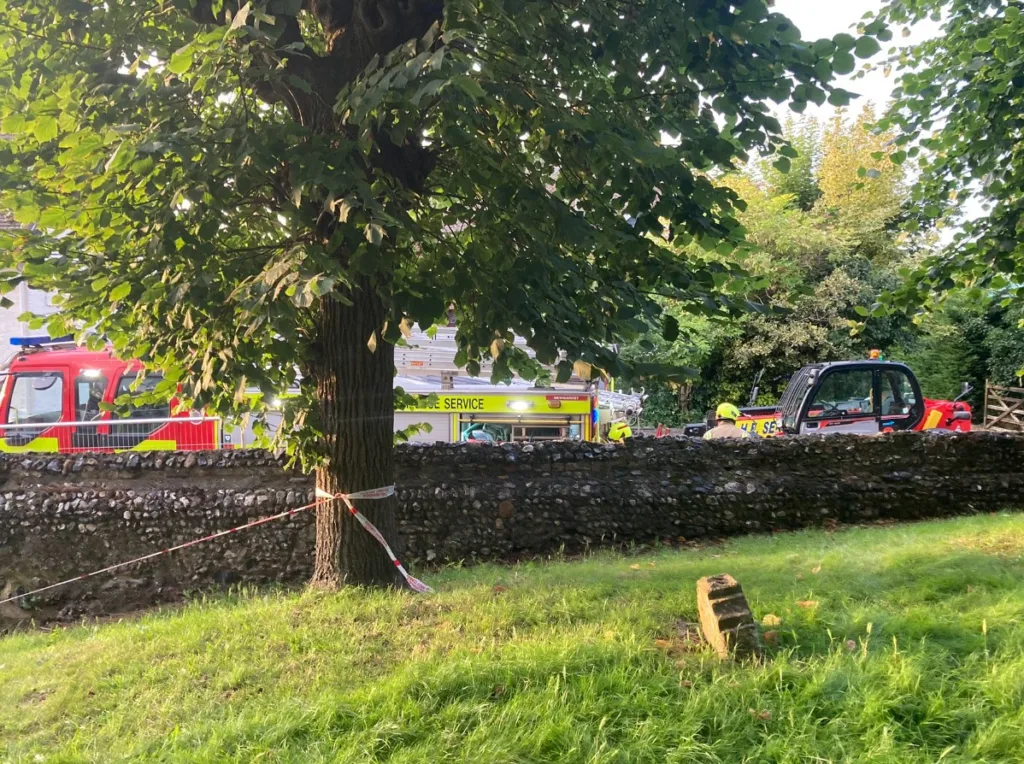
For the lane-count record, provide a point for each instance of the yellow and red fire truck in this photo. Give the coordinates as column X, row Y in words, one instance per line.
column 51, row 403
column 57, row 398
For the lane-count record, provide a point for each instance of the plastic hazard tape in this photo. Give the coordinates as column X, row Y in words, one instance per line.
column 375, row 493
column 378, row 493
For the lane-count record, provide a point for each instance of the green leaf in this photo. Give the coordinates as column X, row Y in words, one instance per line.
column 984, row 45
column 119, row 292
column 670, row 328
column 53, row 218
column 867, row 47
column 783, row 164
column 27, row 214
column 844, row 42
column 840, row 97
column 469, row 86
column 44, row 128
column 843, row 63
column 181, row 60
column 825, row 48
column 13, row 124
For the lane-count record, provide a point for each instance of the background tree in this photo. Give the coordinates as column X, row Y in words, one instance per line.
column 248, row 194
column 966, row 340
column 959, row 109
column 814, row 267
column 800, row 181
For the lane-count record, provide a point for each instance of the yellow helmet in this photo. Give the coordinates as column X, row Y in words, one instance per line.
column 727, row 411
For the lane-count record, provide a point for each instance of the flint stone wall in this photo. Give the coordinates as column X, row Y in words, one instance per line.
column 62, row 516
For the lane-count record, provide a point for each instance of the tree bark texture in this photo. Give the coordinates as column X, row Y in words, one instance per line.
column 354, row 387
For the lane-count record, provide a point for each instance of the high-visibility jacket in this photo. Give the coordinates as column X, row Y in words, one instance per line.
column 726, row 430
column 619, row 432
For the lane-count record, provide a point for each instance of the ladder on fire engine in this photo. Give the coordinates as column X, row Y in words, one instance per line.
column 424, row 355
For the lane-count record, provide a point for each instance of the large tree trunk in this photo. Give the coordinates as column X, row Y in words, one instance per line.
column 354, row 378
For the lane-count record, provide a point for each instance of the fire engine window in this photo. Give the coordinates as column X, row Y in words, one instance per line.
column 898, row 397
column 127, row 386
column 486, row 432
column 515, row 430
column 844, row 393
column 88, row 395
column 37, row 398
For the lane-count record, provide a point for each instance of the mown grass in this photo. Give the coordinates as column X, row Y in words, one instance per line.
column 896, row 644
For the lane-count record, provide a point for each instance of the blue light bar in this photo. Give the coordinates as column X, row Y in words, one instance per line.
column 38, row 341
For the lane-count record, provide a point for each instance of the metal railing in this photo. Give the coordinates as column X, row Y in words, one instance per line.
column 196, row 433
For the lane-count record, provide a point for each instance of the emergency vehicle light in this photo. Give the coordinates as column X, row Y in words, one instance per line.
column 36, row 341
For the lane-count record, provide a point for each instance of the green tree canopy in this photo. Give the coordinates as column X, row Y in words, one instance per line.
column 812, row 267
column 959, row 108
column 240, row 193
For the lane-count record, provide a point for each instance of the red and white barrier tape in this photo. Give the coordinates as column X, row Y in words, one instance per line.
column 375, row 493
column 414, row 583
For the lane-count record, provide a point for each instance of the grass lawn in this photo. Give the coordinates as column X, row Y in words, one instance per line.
column 895, row 644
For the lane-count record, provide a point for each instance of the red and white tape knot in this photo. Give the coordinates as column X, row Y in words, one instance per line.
column 374, row 493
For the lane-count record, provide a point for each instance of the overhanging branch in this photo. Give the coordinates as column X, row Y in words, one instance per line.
column 354, row 32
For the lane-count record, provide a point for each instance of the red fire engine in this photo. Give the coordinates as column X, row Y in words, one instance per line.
column 51, row 396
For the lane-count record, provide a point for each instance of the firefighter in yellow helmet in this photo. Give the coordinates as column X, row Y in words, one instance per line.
column 726, row 415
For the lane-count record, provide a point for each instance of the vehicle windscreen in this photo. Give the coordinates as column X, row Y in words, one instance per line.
column 36, row 398
column 793, row 398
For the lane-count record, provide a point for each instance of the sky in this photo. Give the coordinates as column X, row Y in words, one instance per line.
column 827, row 18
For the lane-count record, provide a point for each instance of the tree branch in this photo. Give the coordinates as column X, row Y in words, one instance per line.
column 355, row 32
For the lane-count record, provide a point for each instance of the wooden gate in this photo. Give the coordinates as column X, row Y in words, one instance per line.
column 1004, row 408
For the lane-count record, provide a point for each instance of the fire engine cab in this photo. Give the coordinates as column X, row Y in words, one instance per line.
column 51, row 403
